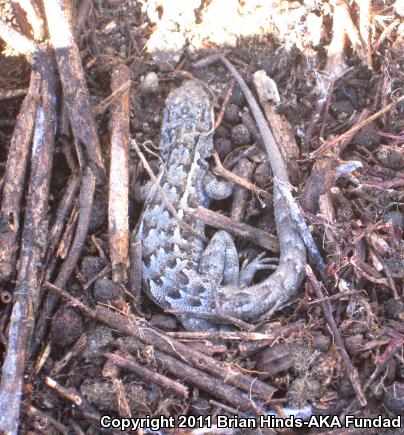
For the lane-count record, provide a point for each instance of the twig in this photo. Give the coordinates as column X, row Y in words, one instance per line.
column 118, row 201
column 206, row 383
column 385, row 34
column 18, row 42
column 34, row 18
column 77, row 399
column 28, row 287
column 277, row 164
column 353, row 130
column 15, row 93
column 164, row 198
column 219, row 169
column 140, row 329
column 282, row 130
column 135, row 270
column 64, row 208
column 46, row 419
column 14, row 177
column 81, row 16
column 119, row 92
column 86, row 203
column 225, row 103
column 350, row 368
column 284, row 282
column 254, row 235
column 244, row 169
column 74, row 84
column 148, row 375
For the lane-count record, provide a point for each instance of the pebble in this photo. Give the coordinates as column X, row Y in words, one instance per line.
column 240, row 135
column 223, row 147
column 222, row 132
column 90, row 266
column 367, row 137
column 106, row 290
column 232, row 114
column 391, row 157
column 354, row 344
column 149, row 84
column 67, row 326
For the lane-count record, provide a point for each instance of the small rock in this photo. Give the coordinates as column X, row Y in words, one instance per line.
column 232, row 114
column 222, row 132
column 395, row 216
column 321, row 342
column 223, row 147
column 106, row 290
column 149, row 84
column 394, row 398
column 240, row 135
column 67, row 326
column 99, row 338
column 367, row 137
column 395, row 309
column 391, row 157
column 354, row 344
column 90, row 266
column 164, row 322
column 263, row 175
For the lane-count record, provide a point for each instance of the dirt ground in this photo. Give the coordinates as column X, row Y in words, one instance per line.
column 334, row 350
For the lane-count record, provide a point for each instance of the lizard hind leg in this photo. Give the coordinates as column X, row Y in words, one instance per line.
column 219, row 260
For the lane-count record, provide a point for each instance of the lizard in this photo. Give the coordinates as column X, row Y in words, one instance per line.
column 180, row 270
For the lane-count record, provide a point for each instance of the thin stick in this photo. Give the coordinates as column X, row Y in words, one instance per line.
column 74, row 83
column 277, row 164
column 146, row 374
column 118, row 201
column 141, row 329
column 28, row 287
column 14, row 178
column 353, row 130
column 86, row 204
column 248, row 232
column 325, row 306
column 18, row 41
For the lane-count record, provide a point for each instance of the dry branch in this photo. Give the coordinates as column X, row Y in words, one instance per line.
column 14, row 178
column 33, row 239
column 130, row 325
column 118, row 207
column 74, row 85
column 326, row 307
column 148, row 375
column 86, row 204
column 254, row 235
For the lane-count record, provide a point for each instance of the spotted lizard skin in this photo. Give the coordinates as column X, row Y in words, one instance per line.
column 180, row 271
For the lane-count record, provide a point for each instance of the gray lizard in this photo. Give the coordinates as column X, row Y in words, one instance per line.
column 180, row 271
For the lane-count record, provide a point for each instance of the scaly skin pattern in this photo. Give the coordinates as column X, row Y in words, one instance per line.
column 179, row 271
